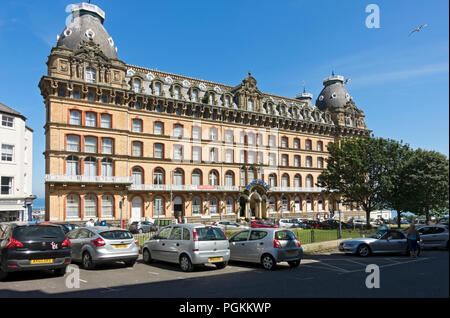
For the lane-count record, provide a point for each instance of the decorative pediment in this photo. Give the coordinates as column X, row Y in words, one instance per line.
column 89, row 50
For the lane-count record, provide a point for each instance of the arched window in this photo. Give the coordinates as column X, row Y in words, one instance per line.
column 107, row 167
column 158, row 176
column 91, row 119
column 196, row 177
column 213, row 205
column 320, row 204
column 196, row 206
column 309, row 181
column 296, row 161
column 284, row 160
column 107, row 206
column 308, row 145
column 72, row 166
column 137, row 176
column 251, row 138
column 90, row 75
column 157, row 90
column 107, row 146
column 90, row 206
column 272, row 180
column 272, row 205
column 195, row 95
column 284, row 142
column 75, row 117
column 90, row 167
column 320, row 162
column 177, row 131
column 308, row 161
column 158, row 207
column 229, row 206
column 72, row 206
column 308, row 204
column 229, row 179
column 285, row 204
column 297, row 204
column 178, row 177
column 176, row 92
column 136, row 85
column 297, row 181
column 296, row 143
column 285, row 180
column 319, row 146
column 213, row 178
column 158, row 128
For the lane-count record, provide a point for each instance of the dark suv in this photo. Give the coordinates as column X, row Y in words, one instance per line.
column 33, row 247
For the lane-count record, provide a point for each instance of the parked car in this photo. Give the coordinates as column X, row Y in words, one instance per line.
column 26, row 247
column 99, row 244
column 332, row 224
column 188, row 245
column 287, row 223
column 263, row 224
column 433, row 236
column 142, row 227
column 266, row 246
column 313, row 224
column 230, row 225
column 389, row 241
column 67, row 227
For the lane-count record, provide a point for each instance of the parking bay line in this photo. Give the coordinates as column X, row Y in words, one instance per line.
column 388, row 265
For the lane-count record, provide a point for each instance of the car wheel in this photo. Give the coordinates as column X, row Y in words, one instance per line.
column 140, row 231
column 186, row 264
column 147, row 256
column 3, row 274
column 364, row 250
column 86, row 261
column 294, row 264
column 268, row 262
column 221, row 265
column 60, row 271
column 130, row 263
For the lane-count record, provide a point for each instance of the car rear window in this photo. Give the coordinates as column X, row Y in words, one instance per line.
column 285, row 236
column 37, row 232
column 210, row 234
column 116, row 235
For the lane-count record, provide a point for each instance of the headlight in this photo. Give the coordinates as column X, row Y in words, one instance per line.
column 350, row 244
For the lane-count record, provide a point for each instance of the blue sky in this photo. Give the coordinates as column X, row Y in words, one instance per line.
column 399, row 81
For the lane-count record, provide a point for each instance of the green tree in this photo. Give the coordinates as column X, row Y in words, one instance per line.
column 354, row 171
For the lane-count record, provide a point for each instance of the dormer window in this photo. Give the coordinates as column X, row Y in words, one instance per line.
column 211, row 98
column 137, row 85
column 157, row 90
column 227, row 101
column 176, row 92
column 194, row 95
column 91, row 75
column 250, row 105
column 334, row 95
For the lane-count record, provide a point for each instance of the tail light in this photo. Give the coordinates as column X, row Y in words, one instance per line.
column 136, row 241
column 67, row 242
column 276, row 244
column 98, row 242
column 13, row 243
column 298, row 243
column 195, row 235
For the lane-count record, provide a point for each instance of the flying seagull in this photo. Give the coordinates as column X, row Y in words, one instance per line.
column 347, row 80
column 418, row 29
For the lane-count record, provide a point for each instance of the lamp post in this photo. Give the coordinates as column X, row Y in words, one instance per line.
column 171, row 195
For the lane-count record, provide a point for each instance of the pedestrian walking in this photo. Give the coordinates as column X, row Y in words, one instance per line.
column 413, row 238
column 90, row 223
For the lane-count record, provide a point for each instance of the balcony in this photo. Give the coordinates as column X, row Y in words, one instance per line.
column 86, row 179
column 168, row 187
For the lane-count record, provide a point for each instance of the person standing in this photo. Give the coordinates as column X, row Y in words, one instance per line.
column 90, row 223
column 413, row 237
column 382, row 226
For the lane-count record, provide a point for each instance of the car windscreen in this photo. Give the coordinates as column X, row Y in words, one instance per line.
column 116, row 235
column 378, row 235
column 285, row 236
column 210, row 234
column 23, row 233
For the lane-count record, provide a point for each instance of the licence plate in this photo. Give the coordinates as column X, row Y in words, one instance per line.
column 41, row 261
column 121, row 245
column 215, row 259
column 291, row 252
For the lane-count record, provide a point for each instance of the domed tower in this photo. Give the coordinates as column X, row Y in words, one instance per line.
column 335, row 98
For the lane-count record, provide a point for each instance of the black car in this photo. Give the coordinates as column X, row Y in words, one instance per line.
column 67, row 227
column 333, row 224
column 26, row 247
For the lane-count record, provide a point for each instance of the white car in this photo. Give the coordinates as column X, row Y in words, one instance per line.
column 286, row 223
column 230, row 225
column 433, row 236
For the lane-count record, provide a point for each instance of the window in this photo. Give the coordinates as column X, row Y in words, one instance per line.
column 90, row 167
column 107, row 167
column 196, row 133
column 272, row 142
column 196, row 177
column 260, row 159
column 308, row 204
column 61, row 92
column 251, row 157
column 308, row 161
column 213, row 178
column 229, row 179
column 272, row 180
column 297, row 181
column 285, row 181
column 157, row 90
column 229, row 156
column 229, row 204
column 296, row 143
column 242, row 157
column 229, row 136
column 90, row 206
column 137, row 149
column 158, row 176
column 91, row 75
column 196, row 154
column 158, row 128
column 227, row 101
column 250, row 105
column 107, row 206
column 285, row 204
column 138, row 104
column 91, row 96
column 196, row 206
column 213, row 135
column 320, row 204
column 259, row 173
column 308, row 145
column 104, row 98
column 284, row 160
column 242, row 178
column 242, row 137
column 319, row 146
column 178, row 152
column 297, row 205
column 178, row 177
column 105, row 121
column 250, row 175
column 176, row 92
column 137, row 85
column 320, row 162
column 178, row 131
column 74, row 117
column 6, row 185
column 137, row 176
column 72, row 206
column 251, row 138
column 272, row 205
column 259, row 139
column 296, row 161
column 272, row 159
column 7, row 153
column 159, row 151
column 213, row 205
column 137, row 125
column 107, row 146
column 72, row 166
column 90, row 144
column 284, row 142
column 309, row 181
column 91, row 120
column 76, row 94
column 158, row 208
column 195, row 95
column 211, row 98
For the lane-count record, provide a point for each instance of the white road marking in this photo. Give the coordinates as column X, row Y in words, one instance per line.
column 341, row 269
column 388, row 265
column 81, row 280
column 153, row 273
column 352, row 261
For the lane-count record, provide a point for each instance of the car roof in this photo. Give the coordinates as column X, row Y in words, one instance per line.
column 99, row 229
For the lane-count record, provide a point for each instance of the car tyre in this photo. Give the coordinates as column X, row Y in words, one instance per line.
column 294, row 264
column 363, row 250
column 86, row 261
column 221, row 265
column 186, row 264
column 140, row 231
column 147, row 256
column 268, row 262
column 3, row 274
column 130, row 263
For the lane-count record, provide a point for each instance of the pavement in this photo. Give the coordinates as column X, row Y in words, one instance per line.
column 328, row 274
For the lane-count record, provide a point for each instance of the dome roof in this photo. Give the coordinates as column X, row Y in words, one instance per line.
column 334, row 94
column 87, row 25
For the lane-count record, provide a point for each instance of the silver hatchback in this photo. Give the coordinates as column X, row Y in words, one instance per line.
column 188, row 245
column 267, row 246
column 99, row 244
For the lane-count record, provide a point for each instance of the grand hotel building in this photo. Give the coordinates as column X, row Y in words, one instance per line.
column 132, row 142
